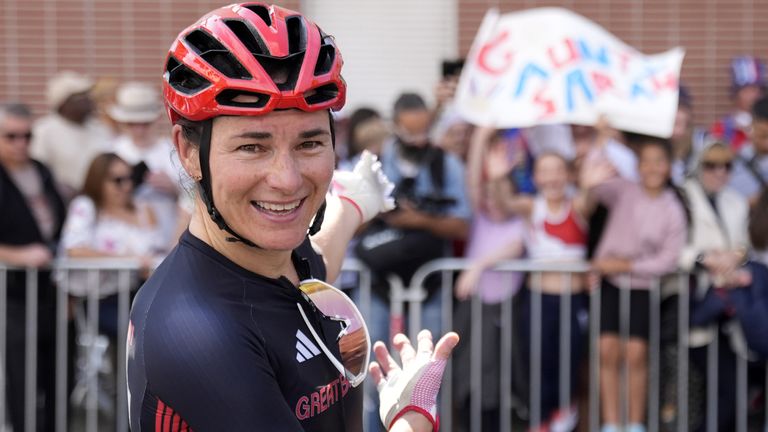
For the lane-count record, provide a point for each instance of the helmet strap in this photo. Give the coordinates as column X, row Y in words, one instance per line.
column 206, row 191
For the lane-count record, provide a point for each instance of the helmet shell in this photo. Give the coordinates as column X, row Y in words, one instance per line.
column 251, row 59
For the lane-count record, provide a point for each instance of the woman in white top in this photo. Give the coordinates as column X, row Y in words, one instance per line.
column 156, row 168
column 104, row 222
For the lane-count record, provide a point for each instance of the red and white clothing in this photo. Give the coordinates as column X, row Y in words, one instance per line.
column 558, row 237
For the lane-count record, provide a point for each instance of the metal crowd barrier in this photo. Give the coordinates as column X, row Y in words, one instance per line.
column 413, row 296
column 416, row 293
column 88, row 379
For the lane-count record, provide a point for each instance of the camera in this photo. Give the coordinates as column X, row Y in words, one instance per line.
column 435, row 204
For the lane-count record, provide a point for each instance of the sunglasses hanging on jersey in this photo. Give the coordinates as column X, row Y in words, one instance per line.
column 353, row 339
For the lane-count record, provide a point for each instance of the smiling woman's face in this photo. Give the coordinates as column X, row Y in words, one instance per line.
column 270, row 174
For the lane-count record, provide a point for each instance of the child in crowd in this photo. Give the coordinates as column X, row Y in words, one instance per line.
column 644, row 235
column 554, row 233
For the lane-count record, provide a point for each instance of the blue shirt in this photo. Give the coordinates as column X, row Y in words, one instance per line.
column 743, row 180
column 453, row 182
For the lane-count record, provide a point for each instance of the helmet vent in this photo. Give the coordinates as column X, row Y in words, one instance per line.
column 247, row 36
column 321, row 94
column 184, row 79
column 241, row 98
column 262, row 12
column 216, row 55
column 284, row 71
column 325, row 59
column 297, row 34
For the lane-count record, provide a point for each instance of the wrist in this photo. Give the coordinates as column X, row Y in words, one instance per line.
column 413, row 418
column 349, row 205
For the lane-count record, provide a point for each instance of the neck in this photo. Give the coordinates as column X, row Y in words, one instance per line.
column 268, row 263
column 15, row 166
column 72, row 119
column 554, row 204
column 142, row 143
column 653, row 192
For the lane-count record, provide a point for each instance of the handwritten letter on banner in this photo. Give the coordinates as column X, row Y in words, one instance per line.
column 550, row 65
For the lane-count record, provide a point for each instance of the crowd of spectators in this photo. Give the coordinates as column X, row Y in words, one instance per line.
column 93, row 180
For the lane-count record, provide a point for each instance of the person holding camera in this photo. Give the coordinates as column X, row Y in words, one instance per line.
column 432, row 209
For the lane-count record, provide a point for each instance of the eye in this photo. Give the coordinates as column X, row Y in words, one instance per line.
column 309, row 145
column 250, row 148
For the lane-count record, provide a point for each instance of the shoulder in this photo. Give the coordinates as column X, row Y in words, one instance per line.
column 675, row 205
column 734, row 201
column 82, row 205
column 452, row 162
column 45, row 172
column 181, row 312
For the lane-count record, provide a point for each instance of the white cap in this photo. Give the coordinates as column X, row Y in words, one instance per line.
column 137, row 102
column 65, row 84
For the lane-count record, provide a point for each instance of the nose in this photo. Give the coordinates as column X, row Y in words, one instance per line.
column 284, row 174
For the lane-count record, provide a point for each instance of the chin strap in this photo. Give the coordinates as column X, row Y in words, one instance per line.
column 204, row 186
column 206, row 193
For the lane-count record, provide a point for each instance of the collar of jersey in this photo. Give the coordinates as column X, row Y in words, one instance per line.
column 302, row 266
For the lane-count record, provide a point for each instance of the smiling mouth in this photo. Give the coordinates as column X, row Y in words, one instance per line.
column 278, row 209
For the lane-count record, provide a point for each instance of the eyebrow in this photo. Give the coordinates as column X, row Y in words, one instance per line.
column 267, row 135
column 254, row 135
column 313, row 133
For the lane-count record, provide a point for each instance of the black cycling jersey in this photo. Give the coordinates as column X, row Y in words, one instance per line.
column 215, row 347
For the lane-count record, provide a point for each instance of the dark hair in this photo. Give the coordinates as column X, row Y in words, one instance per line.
column 15, row 109
column 408, row 102
column 758, row 228
column 98, row 171
column 665, row 145
column 643, row 141
column 760, row 109
column 191, row 130
column 360, row 116
column 684, row 98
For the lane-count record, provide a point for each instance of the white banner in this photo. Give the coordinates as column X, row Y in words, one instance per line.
column 550, row 65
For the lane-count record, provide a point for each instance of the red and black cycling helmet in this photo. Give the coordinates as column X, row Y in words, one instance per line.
column 275, row 57
column 250, row 59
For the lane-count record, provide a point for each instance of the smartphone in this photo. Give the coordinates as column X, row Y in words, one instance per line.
column 138, row 173
column 452, row 68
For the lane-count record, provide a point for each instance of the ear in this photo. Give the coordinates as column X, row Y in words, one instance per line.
column 187, row 151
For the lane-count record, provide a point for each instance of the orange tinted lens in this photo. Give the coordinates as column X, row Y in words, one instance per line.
column 354, row 344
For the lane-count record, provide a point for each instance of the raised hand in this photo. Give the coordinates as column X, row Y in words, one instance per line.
column 414, row 387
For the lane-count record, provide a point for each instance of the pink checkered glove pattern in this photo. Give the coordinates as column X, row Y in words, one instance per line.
column 413, row 389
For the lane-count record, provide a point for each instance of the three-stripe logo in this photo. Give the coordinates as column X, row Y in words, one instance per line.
column 305, row 349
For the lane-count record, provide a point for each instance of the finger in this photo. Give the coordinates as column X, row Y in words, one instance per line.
column 378, row 376
column 425, row 344
column 386, row 362
column 403, row 345
column 445, row 346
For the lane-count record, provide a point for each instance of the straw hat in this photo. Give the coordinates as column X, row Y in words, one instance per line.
column 137, row 102
column 65, row 84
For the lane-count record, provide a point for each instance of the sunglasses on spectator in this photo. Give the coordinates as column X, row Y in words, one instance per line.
column 11, row 136
column 353, row 338
column 711, row 166
column 122, row 180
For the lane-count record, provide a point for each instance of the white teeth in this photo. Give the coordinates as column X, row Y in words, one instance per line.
column 278, row 207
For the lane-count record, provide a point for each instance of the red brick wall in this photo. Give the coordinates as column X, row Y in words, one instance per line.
column 711, row 31
column 126, row 40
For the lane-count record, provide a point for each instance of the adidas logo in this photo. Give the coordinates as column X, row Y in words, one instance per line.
column 305, row 349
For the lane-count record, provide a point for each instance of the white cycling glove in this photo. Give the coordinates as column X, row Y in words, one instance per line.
column 366, row 187
column 413, row 389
